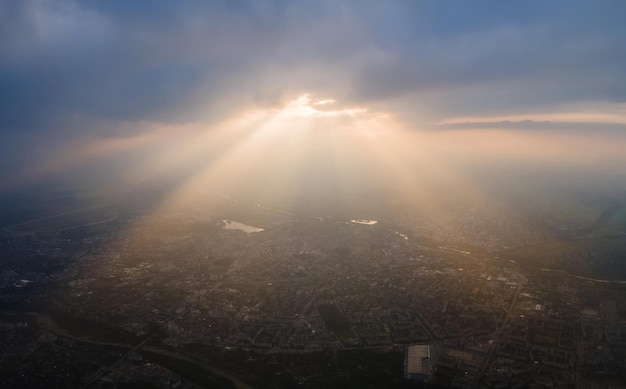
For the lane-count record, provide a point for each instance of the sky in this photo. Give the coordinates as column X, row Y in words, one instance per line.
column 172, row 83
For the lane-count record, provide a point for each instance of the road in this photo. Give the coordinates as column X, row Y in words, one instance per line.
column 496, row 336
column 48, row 323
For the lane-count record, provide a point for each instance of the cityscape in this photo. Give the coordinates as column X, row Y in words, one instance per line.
column 312, row 194
column 203, row 287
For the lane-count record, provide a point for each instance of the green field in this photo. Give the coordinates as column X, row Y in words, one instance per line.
column 336, row 321
column 603, row 257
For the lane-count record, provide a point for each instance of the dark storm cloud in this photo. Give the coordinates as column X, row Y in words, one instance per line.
column 65, row 58
column 483, row 59
column 170, row 61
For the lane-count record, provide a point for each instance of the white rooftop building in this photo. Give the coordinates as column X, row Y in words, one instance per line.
column 417, row 364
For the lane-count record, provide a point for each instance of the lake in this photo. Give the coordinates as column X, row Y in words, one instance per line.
column 361, row 221
column 233, row 225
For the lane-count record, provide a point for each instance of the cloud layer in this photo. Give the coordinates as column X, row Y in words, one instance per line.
column 71, row 68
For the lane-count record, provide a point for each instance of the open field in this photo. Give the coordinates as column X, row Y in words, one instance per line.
column 603, row 257
column 87, row 216
column 336, row 321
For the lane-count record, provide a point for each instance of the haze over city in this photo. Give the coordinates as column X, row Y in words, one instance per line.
column 206, row 183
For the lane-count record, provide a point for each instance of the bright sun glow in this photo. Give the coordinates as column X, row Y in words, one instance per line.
column 315, row 148
column 305, row 105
